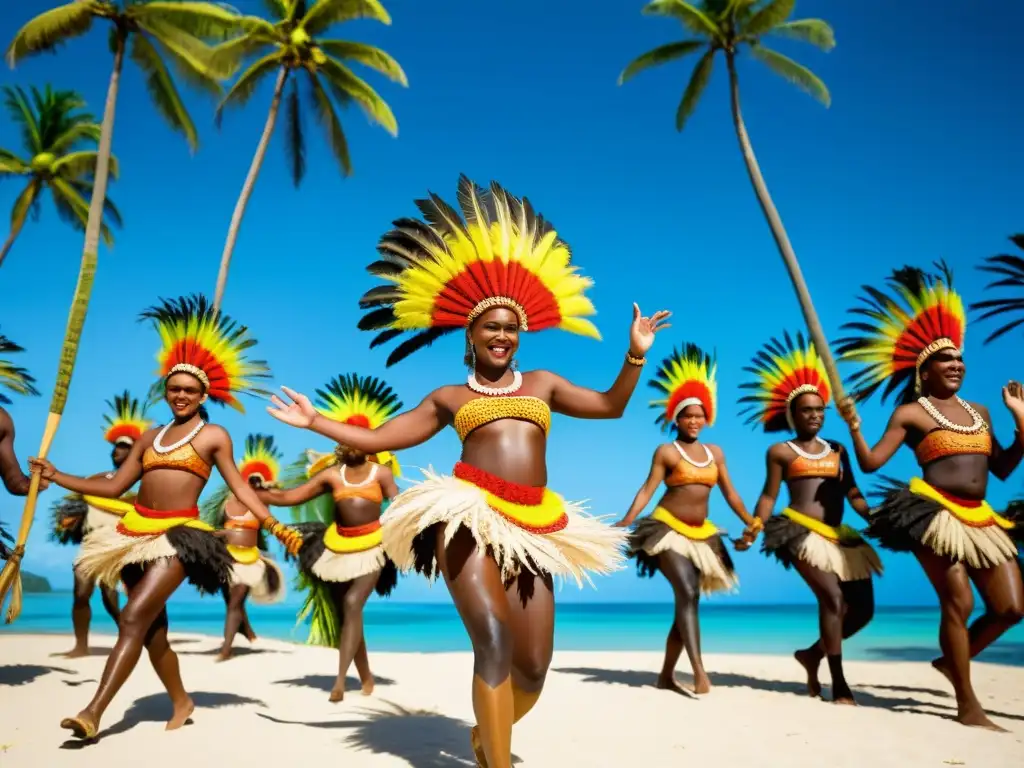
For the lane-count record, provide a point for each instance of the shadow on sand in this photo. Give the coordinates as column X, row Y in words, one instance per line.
column 325, row 683
column 1011, row 654
column 236, row 653
column 421, row 738
column 23, row 674
column 156, row 708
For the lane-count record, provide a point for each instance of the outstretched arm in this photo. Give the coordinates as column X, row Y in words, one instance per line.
column 98, row 485
column 15, row 481
column 1003, row 461
column 850, row 490
column 728, row 491
column 643, row 497
column 872, row 459
column 404, row 431
column 300, row 494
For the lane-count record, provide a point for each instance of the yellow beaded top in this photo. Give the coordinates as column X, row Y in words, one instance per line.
column 484, row 410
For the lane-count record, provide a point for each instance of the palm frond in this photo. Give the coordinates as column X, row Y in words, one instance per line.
column 295, row 144
column 78, row 164
column 211, row 510
column 324, row 13
column 192, row 59
column 695, row 88
column 210, row 21
column 795, row 73
column 51, row 28
column 277, row 8
column 73, row 208
column 319, row 608
column 767, row 17
column 111, row 214
column 691, row 17
column 345, row 80
column 74, row 134
column 328, row 118
column 26, row 200
column 231, row 54
column 162, row 90
column 244, row 86
column 367, row 55
column 12, row 377
column 12, row 165
column 814, row 31
column 21, row 112
column 658, row 56
column 1009, row 270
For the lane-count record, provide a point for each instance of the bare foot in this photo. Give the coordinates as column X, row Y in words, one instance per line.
column 223, row 655
column 670, row 684
column 250, row 636
column 182, row 713
column 810, row 661
column 337, row 692
column 368, row 685
column 844, row 697
column 82, row 726
column 976, row 718
column 76, row 653
column 478, row 748
column 701, row 684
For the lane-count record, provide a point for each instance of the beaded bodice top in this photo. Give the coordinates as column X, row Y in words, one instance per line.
column 483, row 410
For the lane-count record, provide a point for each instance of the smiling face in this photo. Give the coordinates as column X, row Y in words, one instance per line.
column 808, row 412
column 690, row 421
column 495, row 337
column 184, row 393
column 943, row 372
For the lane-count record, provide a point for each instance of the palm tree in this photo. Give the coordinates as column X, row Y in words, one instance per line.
column 727, row 27
column 54, row 133
column 13, row 378
column 290, row 44
column 154, row 30
column 1010, row 269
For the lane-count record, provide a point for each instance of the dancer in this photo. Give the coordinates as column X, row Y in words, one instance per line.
column 342, row 559
column 19, row 381
column 911, row 342
column 678, row 539
column 790, row 394
column 253, row 573
column 162, row 542
column 494, row 530
column 76, row 517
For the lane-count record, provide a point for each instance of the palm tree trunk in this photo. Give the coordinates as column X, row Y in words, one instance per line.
column 76, row 320
column 247, row 188
column 781, row 238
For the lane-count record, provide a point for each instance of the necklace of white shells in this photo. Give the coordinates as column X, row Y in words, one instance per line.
column 159, row 446
column 476, row 386
column 699, row 464
column 977, row 422
column 826, row 449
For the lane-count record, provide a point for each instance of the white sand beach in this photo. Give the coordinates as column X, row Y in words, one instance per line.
column 269, row 704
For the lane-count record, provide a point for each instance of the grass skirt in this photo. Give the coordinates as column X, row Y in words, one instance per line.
column 138, row 539
column 917, row 514
column 316, row 559
column 843, row 552
column 651, row 537
column 492, row 511
column 5, row 551
column 259, row 573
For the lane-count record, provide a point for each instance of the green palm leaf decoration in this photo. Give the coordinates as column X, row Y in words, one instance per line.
column 290, row 47
column 13, row 378
column 170, row 31
column 727, row 29
column 1009, row 271
column 58, row 156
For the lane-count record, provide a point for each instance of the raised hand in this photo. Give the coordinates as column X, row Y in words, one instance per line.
column 642, row 330
column 299, row 413
column 1013, row 397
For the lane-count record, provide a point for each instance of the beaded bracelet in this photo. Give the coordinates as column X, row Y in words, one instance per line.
column 639, row 362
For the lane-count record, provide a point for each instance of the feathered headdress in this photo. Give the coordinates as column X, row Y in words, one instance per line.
column 784, row 370
column 12, row 377
column 921, row 315
column 364, row 401
column 261, row 459
column 126, row 421
column 1009, row 270
column 209, row 346
column 686, row 377
column 446, row 271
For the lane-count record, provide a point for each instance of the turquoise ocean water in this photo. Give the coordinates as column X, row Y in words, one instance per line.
column 902, row 634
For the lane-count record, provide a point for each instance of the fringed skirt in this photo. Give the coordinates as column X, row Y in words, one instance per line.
column 334, row 553
column 792, row 536
column 5, row 551
column 521, row 526
column 145, row 536
column 968, row 532
column 258, row 572
column 702, row 545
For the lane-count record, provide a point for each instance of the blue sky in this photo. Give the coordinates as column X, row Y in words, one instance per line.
column 917, row 159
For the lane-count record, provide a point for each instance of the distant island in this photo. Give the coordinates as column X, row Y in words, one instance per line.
column 32, row 583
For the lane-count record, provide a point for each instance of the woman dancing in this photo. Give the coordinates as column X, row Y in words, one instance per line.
column 253, row 573
column 19, row 381
column 342, row 561
column 494, row 530
column 76, row 517
column 678, row 539
column 790, row 394
column 162, row 542
column 911, row 342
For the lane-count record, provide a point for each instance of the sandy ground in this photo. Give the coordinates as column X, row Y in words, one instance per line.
column 599, row 709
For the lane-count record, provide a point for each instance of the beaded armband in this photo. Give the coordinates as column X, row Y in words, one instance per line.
column 637, row 361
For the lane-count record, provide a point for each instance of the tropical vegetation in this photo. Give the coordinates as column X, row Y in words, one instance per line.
column 1009, row 269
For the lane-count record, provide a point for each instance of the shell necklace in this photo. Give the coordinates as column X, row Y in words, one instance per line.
column 159, row 447
column 476, row 386
column 825, row 451
column 699, row 464
column 978, row 424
